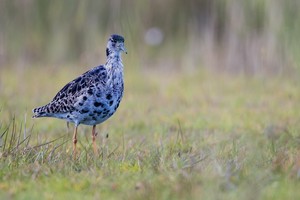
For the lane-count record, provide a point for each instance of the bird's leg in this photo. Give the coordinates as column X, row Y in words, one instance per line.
column 94, row 134
column 68, row 127
column 74, row 141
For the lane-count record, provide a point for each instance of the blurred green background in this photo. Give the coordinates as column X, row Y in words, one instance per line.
column 251, row 37
column 210, row 110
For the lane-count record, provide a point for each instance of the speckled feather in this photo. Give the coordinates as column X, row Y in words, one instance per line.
column 92, row 97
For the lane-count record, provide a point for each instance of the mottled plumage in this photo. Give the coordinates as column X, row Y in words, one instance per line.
column 94, row 96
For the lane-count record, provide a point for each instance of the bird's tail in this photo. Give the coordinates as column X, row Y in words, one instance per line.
column 42, row 111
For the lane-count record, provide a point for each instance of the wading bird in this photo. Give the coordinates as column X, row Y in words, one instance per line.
column 93, row 97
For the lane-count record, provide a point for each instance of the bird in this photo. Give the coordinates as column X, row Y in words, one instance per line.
column 93, row 97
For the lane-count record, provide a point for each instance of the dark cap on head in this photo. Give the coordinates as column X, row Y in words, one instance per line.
column 116, row 38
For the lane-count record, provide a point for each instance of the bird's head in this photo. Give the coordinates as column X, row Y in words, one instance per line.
column 115, row 44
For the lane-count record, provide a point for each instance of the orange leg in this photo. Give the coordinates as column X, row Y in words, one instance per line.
column 74, row 141
column 94, row 134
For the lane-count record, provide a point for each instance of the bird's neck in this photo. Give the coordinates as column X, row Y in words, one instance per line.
column 114, row 57
column 114, row 67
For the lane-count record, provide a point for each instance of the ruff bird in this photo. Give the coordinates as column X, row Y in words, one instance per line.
column 93, row 97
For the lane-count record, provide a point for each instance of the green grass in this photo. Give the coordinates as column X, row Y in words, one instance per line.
column 175, row 136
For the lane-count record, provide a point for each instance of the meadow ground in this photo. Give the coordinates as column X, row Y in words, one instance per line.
column 199, row 135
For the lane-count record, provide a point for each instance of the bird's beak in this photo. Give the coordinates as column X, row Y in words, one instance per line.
column 123, row 48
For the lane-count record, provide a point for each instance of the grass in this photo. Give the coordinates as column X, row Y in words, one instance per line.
column 175, row 136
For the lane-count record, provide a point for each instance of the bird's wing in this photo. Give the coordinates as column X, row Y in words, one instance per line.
column 68, row 94
column 83, row 82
